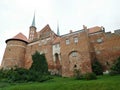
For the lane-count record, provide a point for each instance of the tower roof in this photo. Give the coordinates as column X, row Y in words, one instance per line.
column 33, row 22
column 19, row 37
column 58, row 32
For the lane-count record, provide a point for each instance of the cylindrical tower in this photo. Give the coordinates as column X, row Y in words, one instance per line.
column 14, row 54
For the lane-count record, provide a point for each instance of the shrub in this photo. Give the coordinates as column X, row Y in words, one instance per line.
column 115, row 69
column 113, row 73
column 1, row 74
column 90, row 76
column 77, row 74
column 97, row 68
column 17, row 75
column 38, row 71
column 23, row 75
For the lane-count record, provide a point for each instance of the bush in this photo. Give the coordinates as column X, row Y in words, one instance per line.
column 23, row 75
column 17, row 75
column 77, row 74
column 1, row 74
column 113, row 73
column 38, row 71
column 97, row 68
column 90, row 76
column 116, row 67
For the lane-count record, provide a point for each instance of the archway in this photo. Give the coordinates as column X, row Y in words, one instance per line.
column 57, row 64
column 57, row 58
column 74, row 60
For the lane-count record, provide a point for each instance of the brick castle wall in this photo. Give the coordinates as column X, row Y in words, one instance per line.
column 14, row 54
column 82, row 58
column 77, row 50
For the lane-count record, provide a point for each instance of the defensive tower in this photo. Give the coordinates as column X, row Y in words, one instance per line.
column 15, row 51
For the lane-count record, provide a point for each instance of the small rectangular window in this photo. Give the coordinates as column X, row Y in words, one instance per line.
column 74, row 54
column 76, row 40
column 67, row 41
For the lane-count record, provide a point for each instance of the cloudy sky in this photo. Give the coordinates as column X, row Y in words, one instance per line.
column 16, row 16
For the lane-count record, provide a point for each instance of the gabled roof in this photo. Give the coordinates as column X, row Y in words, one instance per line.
column 57, row 40
column 45, row 29
column 20, row 37
column 94, row 29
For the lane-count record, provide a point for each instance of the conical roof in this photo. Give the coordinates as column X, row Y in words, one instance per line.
column 33, row 22
column 20, row 37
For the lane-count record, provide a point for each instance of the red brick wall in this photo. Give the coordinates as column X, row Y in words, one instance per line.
column 45, row 48
column 14, row 54
column 108, row 50
column 83, row 59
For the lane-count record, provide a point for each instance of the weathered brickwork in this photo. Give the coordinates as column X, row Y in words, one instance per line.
column 14, row 54
column 108, row 49
column 81, row 60
column 65, row 53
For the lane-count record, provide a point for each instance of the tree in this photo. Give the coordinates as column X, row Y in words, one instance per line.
column 39, row 63
column 38, row 71
column 116, row 66
column 97, row 67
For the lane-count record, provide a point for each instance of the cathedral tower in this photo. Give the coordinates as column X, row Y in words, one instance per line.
column 15, row 52
column 32, row 30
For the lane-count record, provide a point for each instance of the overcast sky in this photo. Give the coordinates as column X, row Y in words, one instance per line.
column 16, row 16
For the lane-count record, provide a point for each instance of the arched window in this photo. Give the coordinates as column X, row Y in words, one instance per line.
column 74, row 56
column 56, row 58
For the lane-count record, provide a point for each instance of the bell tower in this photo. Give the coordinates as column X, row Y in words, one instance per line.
column 32, row 30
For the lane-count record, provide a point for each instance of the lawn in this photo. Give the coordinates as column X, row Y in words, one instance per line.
column 105, row 82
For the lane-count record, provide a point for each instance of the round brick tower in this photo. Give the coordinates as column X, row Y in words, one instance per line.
column 14, row 54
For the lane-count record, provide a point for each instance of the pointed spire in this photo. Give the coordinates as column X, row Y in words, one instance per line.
column 58, row 33
column 33, row 22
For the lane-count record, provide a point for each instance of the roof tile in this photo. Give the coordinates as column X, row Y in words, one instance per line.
column 19, row 36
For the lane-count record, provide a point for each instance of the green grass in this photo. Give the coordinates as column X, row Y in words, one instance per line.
column 105, row 82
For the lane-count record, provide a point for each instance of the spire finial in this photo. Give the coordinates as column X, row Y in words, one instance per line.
column 33, row 22
column 58, row 33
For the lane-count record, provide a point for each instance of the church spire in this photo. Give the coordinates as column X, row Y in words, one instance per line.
column 58, row 33
column 33, row 22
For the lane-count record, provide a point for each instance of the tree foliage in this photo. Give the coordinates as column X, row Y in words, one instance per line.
column 90, row 76
column 38, row 71
column 97, row 67
column 115, row 69
column 39, row 63
column 77, row 74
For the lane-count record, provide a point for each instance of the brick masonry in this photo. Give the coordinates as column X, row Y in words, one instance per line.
column 65, row 53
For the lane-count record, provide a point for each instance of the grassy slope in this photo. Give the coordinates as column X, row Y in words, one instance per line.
column 102, row 83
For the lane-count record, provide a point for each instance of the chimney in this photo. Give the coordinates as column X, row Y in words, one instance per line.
column 84, row 27
column 71, row 31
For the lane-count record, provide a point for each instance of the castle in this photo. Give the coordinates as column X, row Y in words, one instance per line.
column 64, row 53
